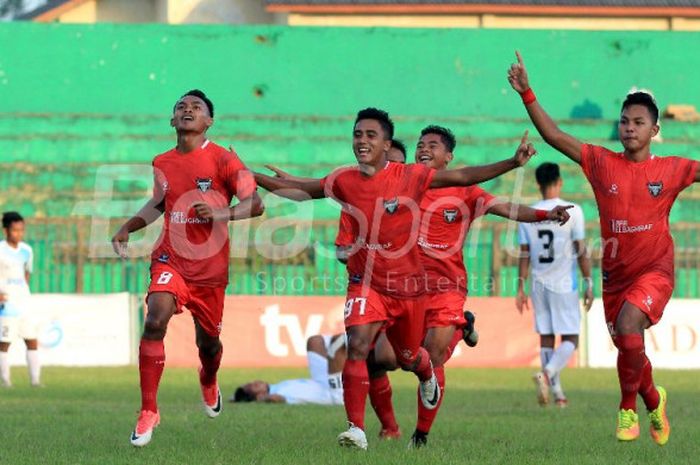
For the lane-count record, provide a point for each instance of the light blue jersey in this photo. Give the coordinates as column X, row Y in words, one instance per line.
column 14, row 264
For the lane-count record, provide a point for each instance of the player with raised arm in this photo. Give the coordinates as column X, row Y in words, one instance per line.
column 194, row 184
column 634, row 191
column 551, row 252
column 16, row 258
column 386, row 279
column 446, row 216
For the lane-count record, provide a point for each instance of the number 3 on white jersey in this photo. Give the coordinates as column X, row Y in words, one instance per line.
column 361, row 301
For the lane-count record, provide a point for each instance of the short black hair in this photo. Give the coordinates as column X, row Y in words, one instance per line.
column 445, row 134
column 398, row 145
column 547, row 174
column 199, row 94
column 379, row 115
column 645, row 99
column 241, row 395
column 10, row 217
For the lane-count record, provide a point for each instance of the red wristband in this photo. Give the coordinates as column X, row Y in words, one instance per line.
column 528, row 96
column 541, row 215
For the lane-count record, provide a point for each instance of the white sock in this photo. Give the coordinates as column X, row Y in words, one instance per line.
column 5, row 368
column 318, row 367
column 560, row 358
column 34, row 366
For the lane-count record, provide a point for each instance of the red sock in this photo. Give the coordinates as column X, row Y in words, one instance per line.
column 424, row 369
column 355, row 389
column 646, row 387
column 380, row 398
column 210, row 366
column 427, row 417
column 151, row 364
column 630, row 361
column 453, row 343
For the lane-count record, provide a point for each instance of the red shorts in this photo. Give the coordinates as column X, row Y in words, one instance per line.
column 650, row 293
column 445, row 309
column 405, row 319
column 205, row 303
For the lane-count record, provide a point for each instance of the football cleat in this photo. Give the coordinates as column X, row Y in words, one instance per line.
column 354, row 438
column 659, row 427
column 211, row 398
column 542, row 385
column 389, row 434
column 429, row 392
column 469, row 334
column 561, row 402
column 418, row 439
column 144, row 427
column 627, row 425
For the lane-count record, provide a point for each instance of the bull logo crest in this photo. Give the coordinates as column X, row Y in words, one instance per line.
column 204, row 184
column 449, row 215
column 655, row 188
column 391, row 205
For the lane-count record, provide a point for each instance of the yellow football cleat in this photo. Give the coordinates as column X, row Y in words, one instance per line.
column 659, row 427
column 627, row 425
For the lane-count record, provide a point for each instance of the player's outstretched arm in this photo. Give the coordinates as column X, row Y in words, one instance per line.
column 548, row 129
column 584, row 263
column 521, row 299
column 149, row 213
column 291, row 189
column 284, row 175
column 470, row 175
column 525, row 214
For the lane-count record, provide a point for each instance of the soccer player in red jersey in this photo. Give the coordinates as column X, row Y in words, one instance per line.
column 447, row 214
column 634, row 191
column 386, row 280
column 194, row 184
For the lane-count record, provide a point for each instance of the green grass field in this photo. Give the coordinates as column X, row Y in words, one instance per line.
column 489, row 416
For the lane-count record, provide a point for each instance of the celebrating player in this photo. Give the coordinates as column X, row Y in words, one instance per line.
column 634, row 191
column 386, row 280
column 16, row 258
column 194, row 184
column 447, row 215
column 550, row 251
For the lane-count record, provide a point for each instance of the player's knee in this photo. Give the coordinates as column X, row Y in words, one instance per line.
column 572, row 338
column 154, row 327
column 209, row 346
column 358, row 348
column 316, row 344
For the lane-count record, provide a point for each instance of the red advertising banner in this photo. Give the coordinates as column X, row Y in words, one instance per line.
column 272, row 331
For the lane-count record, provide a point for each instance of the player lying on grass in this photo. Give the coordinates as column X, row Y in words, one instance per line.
column 326, row 356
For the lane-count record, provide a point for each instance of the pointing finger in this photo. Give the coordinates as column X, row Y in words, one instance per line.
column 523, row 140
column 520, row 58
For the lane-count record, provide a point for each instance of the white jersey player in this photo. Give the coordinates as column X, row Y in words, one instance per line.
column 326, row 356
column 15, row 319
column 551, row 252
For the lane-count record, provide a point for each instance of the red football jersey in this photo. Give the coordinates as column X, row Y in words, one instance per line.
column 386, row 208
column 447, row 214
column 197, row 248
column 346, row 230
column 634, row 201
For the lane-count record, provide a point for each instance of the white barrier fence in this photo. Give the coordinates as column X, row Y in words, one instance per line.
column 103, row 330
column 673, row 343
column 82, row 329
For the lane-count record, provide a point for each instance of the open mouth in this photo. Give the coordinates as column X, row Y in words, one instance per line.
column 424, row 158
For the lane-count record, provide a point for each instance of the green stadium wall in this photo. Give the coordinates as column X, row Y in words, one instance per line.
column 80, row 100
